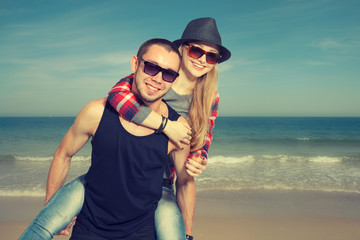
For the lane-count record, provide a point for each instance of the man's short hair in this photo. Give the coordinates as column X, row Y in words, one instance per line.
column 158, row 41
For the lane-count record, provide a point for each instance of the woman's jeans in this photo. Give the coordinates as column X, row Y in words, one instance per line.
column 169, row 224
column 58, row 212
column 68, row 201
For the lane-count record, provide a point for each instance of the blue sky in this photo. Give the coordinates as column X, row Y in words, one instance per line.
column 289, row 57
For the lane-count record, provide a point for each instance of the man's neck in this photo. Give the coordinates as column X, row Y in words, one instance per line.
column 135, row 129
column 158, row 106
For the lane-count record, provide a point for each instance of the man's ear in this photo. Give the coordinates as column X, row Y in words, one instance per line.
column 134, row 64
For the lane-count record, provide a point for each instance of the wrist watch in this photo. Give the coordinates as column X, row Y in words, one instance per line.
column 189, row 237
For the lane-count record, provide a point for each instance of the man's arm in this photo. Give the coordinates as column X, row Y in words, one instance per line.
column 185, row 187
column 84, row 126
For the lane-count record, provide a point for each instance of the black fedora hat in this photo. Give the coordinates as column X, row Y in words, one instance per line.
column 204, row 29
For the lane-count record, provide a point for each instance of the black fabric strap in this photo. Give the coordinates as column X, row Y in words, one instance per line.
column 162, row 126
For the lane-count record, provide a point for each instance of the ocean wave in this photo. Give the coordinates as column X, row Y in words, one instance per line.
column 303, row 139
column 283, row 158
column 277, row 188
column 325, row 159
column 49, row 158
column 211, row 184
column 307, row 141
column 22, row 193
column 276, row 158
column 33, row 158
column 212, row 159
column 326, row 140
column 229, row 160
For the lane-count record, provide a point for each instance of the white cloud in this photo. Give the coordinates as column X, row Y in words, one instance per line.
column 71, row 63
column 328, row 44
column 318, row 63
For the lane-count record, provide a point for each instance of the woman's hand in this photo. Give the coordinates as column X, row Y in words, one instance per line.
column 178, row 132
column 196, row 165
column 65, row 231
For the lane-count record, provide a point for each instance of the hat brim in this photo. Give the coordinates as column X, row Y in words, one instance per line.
column 224, row 52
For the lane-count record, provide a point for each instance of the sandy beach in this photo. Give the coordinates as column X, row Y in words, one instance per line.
column 251, row 215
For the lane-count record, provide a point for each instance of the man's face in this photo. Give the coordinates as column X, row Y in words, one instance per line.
column 152, row 88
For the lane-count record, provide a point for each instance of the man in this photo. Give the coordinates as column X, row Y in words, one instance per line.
column 123, row 184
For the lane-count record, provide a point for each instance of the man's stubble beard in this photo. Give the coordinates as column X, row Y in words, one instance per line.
column 143, row 96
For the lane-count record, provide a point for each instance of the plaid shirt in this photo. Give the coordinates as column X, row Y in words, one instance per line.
column 126, row 103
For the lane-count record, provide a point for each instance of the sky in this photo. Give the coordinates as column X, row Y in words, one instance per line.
column 289, row 57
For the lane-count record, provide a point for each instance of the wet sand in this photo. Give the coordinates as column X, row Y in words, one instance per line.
column 250, row 215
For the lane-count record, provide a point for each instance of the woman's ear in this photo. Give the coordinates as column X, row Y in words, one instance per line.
column 134, row 64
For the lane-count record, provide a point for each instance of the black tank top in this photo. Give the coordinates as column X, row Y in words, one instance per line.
column 124, row 181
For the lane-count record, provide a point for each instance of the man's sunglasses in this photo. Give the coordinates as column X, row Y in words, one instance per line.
column 152, row 69
column 196, row 52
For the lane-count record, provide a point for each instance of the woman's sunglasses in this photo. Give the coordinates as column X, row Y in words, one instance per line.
column 152, row 69
column 196, row 52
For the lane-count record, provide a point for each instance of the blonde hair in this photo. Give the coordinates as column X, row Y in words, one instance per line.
column 200, row 109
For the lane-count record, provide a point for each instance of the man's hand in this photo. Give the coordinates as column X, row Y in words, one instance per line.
column 178, row 132
column 65, row 231
column 196, row 165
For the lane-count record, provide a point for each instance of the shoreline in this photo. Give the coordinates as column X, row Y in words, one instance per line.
column 247, row 214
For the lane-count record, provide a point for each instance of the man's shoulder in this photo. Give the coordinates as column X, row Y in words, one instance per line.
column 173, row 114
column 96, row 105
column 93, row 111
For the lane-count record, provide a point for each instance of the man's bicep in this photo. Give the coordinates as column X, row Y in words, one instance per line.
column 73, row 141
column 80, row 131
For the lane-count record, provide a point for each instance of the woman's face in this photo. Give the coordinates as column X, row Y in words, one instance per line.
column 198, row 66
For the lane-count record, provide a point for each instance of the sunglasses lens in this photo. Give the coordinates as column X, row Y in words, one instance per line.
column 169, row 76
column 211, row 58
column 195, row 52
column 151, row 69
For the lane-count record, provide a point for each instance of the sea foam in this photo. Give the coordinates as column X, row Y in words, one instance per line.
column 49, row 158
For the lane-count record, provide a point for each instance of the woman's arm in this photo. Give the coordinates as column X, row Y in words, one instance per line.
column 133, row 109
column 125, row 102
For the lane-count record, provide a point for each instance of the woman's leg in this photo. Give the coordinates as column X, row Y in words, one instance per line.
column 169, row 224
column 58, row 212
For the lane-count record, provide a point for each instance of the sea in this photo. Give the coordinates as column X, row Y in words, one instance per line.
column 247, row 153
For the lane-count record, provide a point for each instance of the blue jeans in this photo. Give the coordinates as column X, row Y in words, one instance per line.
column 169, row 224
column 68, row 201
column 58, row 212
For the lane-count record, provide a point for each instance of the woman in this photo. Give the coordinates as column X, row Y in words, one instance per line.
column 193, row 95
